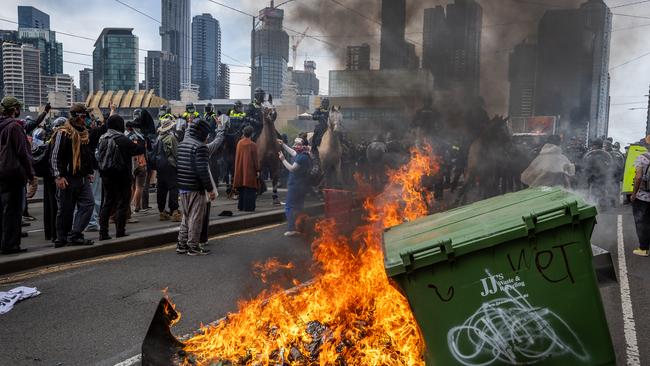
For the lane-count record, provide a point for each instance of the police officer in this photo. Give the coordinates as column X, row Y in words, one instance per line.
column 254, row 114
column 321, row 115
column 237, row 119
column 210, row 116
column 165, row 113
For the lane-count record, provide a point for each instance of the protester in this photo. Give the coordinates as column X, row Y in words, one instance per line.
column 247, row 171
column 641, row 204
column 193, row 182
column 96, row 130
column 550, row 168
column 298, row 182
column 72, row 166
column 139, row 166
column 115, row 152
column 165, row 158
column 218, row 140
column 15, row 171
column 50, row 207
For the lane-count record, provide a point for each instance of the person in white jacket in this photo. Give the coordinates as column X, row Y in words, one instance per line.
column 550, row 168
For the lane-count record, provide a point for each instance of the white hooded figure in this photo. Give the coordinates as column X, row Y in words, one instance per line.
column 550, row 168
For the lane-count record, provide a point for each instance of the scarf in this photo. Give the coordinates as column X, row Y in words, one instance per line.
column 77, row 138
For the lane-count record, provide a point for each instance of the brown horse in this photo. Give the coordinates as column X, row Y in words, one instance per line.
column 267, row 152
column 330, row 150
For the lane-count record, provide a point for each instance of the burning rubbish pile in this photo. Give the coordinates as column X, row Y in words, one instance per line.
column 350, row 314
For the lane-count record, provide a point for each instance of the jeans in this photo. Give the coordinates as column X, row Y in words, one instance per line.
column 49, row 208
column 295, row 204
column 78, row 195
column 97, row 194
column 641, row 212
column 167, row 188
column 11, row 209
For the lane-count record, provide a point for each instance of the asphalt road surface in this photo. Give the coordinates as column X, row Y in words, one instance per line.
column 97, row 312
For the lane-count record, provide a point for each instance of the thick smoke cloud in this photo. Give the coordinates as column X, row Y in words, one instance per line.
column 505, row 24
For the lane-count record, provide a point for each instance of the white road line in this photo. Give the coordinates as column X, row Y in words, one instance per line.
column 632, row 347
column 130, row 362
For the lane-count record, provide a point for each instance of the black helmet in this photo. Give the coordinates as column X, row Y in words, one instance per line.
column 137, row 114
column 190, row 107
column 239, row 104
column 259, row 95
column 325, row 103
column 209, row 108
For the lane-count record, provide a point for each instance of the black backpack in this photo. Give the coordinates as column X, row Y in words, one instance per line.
column 41, row 161
column 158, row 156
column 109, row 157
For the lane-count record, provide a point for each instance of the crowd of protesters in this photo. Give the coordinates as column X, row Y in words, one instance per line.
column 97, row 170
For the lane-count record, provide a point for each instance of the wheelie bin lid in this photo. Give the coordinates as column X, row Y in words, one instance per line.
column 448, row 235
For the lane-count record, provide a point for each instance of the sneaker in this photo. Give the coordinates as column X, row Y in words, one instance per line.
column 92, row 229
column 197, row 251
column 164, row 216
column 103, row 237
column 132, row 220
column 641, row 252
column 181, row 248
column 60, row 243
column 290, row 234
column 80, row 242
column 177, row 216
column 29, row 218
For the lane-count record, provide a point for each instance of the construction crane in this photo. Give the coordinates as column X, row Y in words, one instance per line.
column 297, row 40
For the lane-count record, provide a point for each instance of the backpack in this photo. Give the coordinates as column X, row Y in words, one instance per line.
column 41, row 161
column 158, row 156
column 645, row 179
column 109, row 157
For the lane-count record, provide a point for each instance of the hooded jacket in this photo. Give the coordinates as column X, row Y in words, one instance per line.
column 127, row 148
column 13, row 136
column 193, row 157
column 550, row 168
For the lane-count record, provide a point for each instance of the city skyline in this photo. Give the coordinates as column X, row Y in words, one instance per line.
column 629, row 80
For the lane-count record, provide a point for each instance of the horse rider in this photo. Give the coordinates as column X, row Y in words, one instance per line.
column 254, row 114
column 237, row 119
column 321, row 115
column 426, row 119
column 165, row 113
column 210, row 116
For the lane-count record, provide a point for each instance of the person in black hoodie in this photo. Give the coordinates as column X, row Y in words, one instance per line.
column 116, row 185
column 15, row 171
column 72, row 163
column 193, row 177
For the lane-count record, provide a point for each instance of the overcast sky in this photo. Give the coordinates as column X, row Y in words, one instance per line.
column 629, row 63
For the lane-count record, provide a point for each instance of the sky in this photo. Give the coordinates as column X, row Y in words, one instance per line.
column 629, row 59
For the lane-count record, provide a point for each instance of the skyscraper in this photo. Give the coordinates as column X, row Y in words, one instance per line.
column 85, row 83
column 393, row 27
column 206, row 55
column 34, row 29
column 270, row 52
column 223, row 90
column 358, row 57
column 5, row 36
column 115, row 60
column 160, row 75
column 307, row 82
column 452, row 46
column 175, row 32
column 57, row 90
column 21, row 73
column 572, row 68
column 521, row 74
column 30, row 17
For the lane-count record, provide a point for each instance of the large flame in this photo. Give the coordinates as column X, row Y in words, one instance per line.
column 350, row 314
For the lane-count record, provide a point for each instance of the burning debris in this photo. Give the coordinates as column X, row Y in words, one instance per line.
column 350, row 314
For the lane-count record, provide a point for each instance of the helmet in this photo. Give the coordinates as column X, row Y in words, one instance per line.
column 209, row 108
column 137, row 114
column 59, row 122
column 325, row 103
column 162, row 111
column 190, row 107
column 239, row 105
column 259, row 95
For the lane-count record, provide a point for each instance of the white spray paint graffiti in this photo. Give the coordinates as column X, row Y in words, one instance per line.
column 509, row 330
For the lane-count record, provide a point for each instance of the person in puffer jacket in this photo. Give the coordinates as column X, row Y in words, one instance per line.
column 193, row 182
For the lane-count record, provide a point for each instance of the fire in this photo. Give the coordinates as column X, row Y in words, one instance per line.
column 350, row 314
column 263, row 270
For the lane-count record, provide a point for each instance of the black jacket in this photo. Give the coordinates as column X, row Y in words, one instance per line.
column 128, row 149
column 61, row 158
column 13, row 137
column 193, row 157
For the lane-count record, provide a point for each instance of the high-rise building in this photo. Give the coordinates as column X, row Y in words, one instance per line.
column 452, row 46
column 270, row 53
column 175, row 33
column 115, row 60
column 160, row 74
column 223, row 90
column 393, row 27
column 206, row 55
column 307, row 82
column 358, row 57
column 51, row 50
column 34, row 29
column 85, row 83
column 21, row 73
column 572, row 68
column 5, row 36
column 57, row 90
column 30, row 17
column 521, row 74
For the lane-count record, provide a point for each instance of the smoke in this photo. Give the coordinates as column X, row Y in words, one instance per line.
column 505, row 24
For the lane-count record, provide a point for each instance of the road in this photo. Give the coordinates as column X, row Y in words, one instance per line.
column 97, row 312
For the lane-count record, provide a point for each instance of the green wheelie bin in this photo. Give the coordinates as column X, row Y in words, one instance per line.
column 505, row 281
